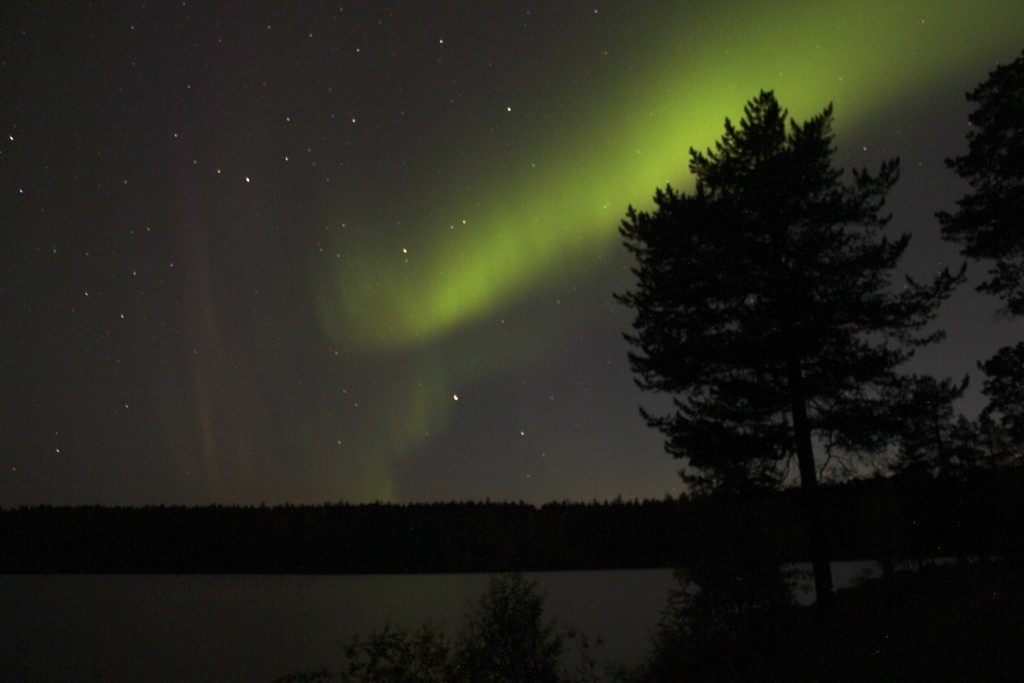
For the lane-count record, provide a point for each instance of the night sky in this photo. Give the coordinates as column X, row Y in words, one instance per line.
column 354, row 251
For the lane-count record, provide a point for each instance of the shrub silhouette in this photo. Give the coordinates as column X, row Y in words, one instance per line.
column 716, row 628
column 725, row 611
column 399, row 656
column 504, row 639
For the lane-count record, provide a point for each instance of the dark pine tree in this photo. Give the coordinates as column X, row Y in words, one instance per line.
column 764, row 307
column 933, row 439
column 989, row 223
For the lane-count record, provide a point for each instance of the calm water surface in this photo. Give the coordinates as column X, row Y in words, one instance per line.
column 151, row 628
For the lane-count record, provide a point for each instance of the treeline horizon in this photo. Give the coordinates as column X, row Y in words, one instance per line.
column 903, row 517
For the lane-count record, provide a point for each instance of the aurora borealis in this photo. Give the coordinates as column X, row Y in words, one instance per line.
column 261, row 252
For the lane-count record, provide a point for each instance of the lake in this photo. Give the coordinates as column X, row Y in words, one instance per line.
column 243, row 628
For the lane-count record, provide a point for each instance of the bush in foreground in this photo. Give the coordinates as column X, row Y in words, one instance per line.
column 505, row 639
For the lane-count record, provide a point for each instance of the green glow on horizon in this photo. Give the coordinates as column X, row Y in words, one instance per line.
column 558, row 213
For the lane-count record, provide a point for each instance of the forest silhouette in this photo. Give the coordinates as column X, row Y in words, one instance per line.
column 909, row 516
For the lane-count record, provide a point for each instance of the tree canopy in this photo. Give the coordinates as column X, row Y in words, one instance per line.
column 765, row 304
column 989, row 223
column 764, row 300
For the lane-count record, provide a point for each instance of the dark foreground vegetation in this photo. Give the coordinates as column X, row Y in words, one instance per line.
column 956, row 622
column 960, row 621
column 912, row 516
column 504, row 638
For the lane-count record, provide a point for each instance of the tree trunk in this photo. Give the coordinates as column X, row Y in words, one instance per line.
column 812, row 508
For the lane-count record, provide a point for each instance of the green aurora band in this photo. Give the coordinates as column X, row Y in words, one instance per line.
column 558, row 212
column 549, row 213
